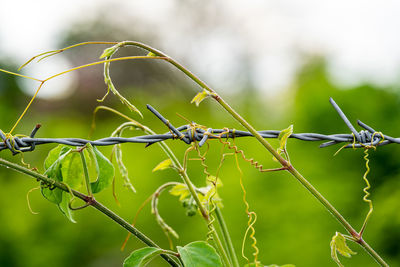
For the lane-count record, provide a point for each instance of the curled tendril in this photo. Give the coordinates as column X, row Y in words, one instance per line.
column 367, row 171
column 252, row 219
column 236, row 150
column 29, row 202
column 251, row 214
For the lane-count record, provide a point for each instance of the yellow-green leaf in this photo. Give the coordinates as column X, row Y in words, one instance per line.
column 151, row 54
column 338, row 244
column 180, row 190
column 199, row 97
column 283, row 137
column 163, row 165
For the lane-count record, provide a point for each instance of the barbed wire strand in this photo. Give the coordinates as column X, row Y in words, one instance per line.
column 366, row 137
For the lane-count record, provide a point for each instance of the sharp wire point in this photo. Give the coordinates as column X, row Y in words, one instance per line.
column 345, row 119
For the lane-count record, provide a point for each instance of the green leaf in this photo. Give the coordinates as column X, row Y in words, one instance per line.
column 64, row 206
column 104, row 169
column 54, row 195
column 199, row 97
column 151, row 54
column 283, row 137
column 163, row 165
column 199, row 254
column 72, row 171
column 53, row 155
column 338, row 244
column 142, row 257
column 52, row 165
column 180, row 190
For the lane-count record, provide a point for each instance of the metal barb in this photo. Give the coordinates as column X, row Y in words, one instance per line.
column 346, row 120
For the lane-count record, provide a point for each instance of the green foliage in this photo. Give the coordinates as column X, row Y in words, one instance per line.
column 165, row 164
column 141, row 257
column 309, row 113
column 199, row 254
column 195, row 254
column 53, row 170
column 104, row 170
column 283, row 137
column 180, row 190
column 71, row 170
column 199, row 97
column 338, row 244
column 205, row 193
column 151, row 54
column 64, row 166
column 60, row 166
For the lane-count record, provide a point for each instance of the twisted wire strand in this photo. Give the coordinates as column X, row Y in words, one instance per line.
column 189, row 134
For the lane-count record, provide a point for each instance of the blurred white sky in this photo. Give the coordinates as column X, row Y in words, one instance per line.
column 359, row 38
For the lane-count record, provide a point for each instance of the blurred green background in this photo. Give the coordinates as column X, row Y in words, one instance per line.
column 292, row 226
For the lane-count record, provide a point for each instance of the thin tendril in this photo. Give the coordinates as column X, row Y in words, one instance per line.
column 250, row 222
column 135, row 219
column 365, row 190
column 28, row 201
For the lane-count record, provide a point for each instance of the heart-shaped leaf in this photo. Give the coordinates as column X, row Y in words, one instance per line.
column 199, row 254
column 104, row 169
column 142, row 257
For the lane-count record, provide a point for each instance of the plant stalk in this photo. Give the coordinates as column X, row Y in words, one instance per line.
column 266, row 144
column 91, row 201
column 86, row 173
column 303, row 181
column 182, row 172
column 226, row 236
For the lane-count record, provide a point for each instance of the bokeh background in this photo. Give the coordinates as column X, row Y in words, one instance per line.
column 277, row 63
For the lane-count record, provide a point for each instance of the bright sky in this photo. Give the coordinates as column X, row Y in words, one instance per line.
column 359, row 38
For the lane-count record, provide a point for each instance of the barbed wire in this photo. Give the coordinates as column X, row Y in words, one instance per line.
column 189, row 133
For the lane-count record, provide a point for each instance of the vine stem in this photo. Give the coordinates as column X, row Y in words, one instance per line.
column 86, row 173
column 92, row 202
column 304, row 182
column 289, row 167
column 182, row 172
column 226, row 236
column 285, row 164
